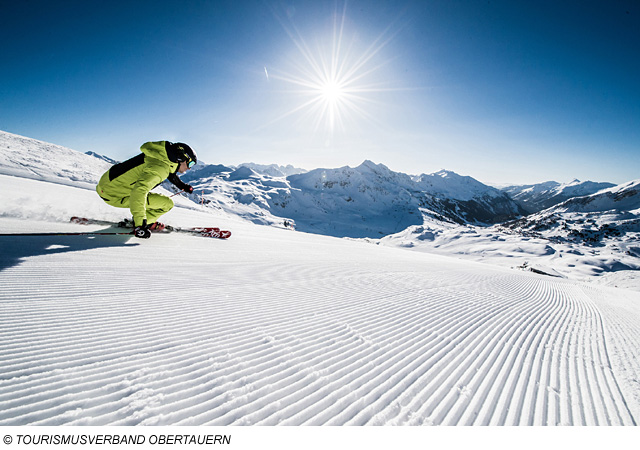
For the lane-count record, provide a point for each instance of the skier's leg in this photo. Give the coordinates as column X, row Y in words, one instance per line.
column 117, row 202
column 157, row 205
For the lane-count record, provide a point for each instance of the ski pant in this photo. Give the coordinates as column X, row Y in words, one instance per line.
column 157, row 204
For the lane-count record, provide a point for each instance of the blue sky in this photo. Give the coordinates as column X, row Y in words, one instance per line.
column 503, row 91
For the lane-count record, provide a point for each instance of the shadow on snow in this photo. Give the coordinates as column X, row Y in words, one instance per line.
column 15, row 249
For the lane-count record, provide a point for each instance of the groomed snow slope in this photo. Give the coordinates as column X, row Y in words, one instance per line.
column 279, row 327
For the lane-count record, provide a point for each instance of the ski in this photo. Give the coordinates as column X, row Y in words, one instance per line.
column 212, row 232
column 64, row 233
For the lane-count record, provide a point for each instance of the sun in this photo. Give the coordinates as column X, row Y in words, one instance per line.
column 332, row 91
column 333, row 79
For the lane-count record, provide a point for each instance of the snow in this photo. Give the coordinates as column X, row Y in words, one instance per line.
column 280, row 327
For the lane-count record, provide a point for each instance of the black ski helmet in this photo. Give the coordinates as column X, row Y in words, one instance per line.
column 181, row 152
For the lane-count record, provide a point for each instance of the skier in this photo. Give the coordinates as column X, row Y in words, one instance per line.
column 127, row 184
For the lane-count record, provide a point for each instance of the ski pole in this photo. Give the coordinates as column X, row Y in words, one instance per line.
column 177, row 193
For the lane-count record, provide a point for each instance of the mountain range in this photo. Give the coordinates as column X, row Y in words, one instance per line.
column 370, row 200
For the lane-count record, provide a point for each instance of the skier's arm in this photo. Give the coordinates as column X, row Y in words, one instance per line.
column 175, row 179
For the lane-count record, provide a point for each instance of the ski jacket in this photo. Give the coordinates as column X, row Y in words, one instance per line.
column 134, row 178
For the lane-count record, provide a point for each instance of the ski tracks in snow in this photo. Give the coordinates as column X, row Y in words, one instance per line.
column 311, row 331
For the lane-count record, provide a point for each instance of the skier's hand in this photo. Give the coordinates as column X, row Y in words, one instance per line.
column 188, row 189
column 142, row 231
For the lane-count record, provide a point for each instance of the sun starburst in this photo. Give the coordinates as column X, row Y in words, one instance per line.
column 334, row 81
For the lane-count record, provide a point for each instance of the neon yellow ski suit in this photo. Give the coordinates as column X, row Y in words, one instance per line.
column 127, row 184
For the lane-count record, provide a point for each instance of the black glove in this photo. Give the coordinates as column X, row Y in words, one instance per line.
column 188, row 189
column 142, row 231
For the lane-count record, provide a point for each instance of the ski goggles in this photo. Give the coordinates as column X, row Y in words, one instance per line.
column 191, row 163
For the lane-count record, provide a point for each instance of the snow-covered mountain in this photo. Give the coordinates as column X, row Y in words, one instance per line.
column 610, row 216
column 239, row 191
column 536, row 197
column 366, row 201
column 466, row 200
column 372, row 201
